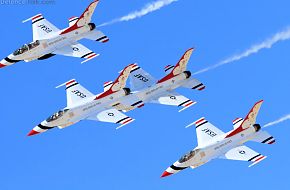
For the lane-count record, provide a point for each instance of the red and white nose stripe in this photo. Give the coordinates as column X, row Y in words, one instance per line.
column 2, row 65
column 6, row 62
column 38, row 129
column 172, row 170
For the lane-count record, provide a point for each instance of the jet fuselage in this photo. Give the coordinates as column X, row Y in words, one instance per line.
column 214, row 149
column 44, row 48
column 82, row 110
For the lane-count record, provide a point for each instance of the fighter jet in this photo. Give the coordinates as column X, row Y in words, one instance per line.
column 48, row 40
column 82, row 104
column 146, row 89
column 214, row 143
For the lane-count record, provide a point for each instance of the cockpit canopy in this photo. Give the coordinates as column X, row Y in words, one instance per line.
column 188, row 156
column 57, row 115
column 26, row 47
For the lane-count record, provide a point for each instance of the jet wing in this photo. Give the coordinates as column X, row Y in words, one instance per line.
column 174, row 99
column 205, row 131
column 77, row 50
column 75, row 92
column 112, row 116
column 244, row 153
column 140, row 79
column 41, row 27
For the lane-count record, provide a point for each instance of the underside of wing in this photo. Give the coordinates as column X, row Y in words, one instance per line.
column 112, row 116
column 77, row 50
column 174, row 99
column 244, row 153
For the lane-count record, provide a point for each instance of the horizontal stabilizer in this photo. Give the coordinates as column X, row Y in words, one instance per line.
column 264, row 137
column 194, row 84
column 107, row 85
column 168, row 69
column 237, row 122
column 97, row 35
column 73, row 20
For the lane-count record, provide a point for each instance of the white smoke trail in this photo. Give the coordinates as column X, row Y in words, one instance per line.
column 285, row 118
column 150, row 7
column 268, row 43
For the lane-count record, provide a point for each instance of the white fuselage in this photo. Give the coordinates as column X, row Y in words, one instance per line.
column 162, row 88
column 54, row 42
column 217, row 147
column 89, row 107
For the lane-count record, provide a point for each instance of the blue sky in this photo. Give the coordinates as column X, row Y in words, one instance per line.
column 92, row 155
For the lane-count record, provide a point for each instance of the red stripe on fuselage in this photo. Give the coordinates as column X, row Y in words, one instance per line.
column 234, row 132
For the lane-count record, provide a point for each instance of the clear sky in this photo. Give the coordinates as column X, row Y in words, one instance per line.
column 92, row 155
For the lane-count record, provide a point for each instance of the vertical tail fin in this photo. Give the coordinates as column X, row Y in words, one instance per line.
column 180, row 66
column 119, row 83
column 84, row 19
column 249, row 120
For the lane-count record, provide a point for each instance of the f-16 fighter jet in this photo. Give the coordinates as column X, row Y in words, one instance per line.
column 149, row 90
column 48, row 40
column 213, row 143
column 82, row 104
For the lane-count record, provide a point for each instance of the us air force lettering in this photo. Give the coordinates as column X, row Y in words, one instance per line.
column 48, row 40
column 146, row 89
column 82, row 104
column 214, row 143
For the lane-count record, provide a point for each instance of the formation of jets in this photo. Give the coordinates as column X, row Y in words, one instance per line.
column 116, row 99
column 109, row 105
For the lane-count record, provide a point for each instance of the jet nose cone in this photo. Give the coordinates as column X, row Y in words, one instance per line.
column 32, row 132
column 2, row 64
column 165, row 174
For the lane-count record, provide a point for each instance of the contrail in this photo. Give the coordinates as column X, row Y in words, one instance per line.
column 150, row 7
column 282, row 119
column 268, row 43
